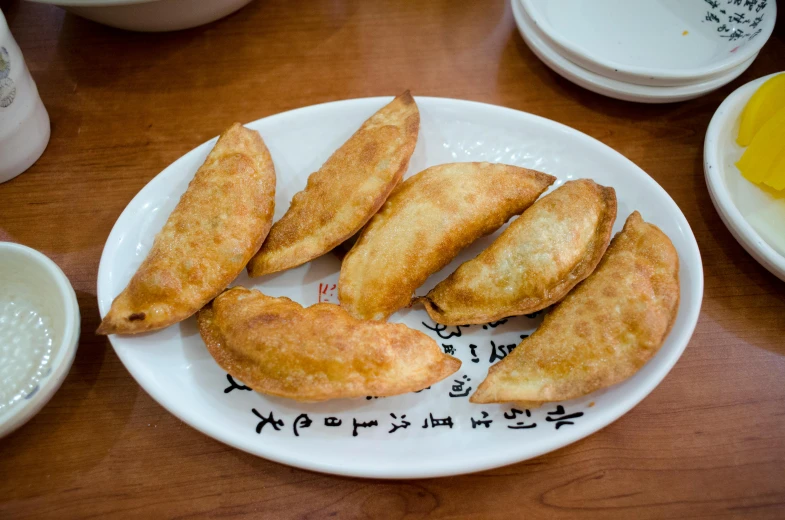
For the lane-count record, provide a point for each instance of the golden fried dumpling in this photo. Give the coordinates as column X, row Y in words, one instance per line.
column 219, row 223
column 346, row 191
column 534, row 263
column 603, row 332
column 424, row 224
column 277, row 347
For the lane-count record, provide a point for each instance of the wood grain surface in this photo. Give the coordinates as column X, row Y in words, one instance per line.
column 708, row 442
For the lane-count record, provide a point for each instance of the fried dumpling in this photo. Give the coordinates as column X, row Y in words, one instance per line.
column 277, row 347
column 346, row 191
column 424, row 224
column 218, row 224
column 603, row 332
column 534, row 263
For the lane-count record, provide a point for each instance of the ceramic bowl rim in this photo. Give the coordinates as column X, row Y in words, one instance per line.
column 745, row 52
column 63, row 359
column 714, row 173
column 611, row 87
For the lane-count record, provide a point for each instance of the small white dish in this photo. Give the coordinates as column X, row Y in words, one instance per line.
column 608, row 86
column 656, row 42
column 174, row 367
column 750, row 212
column 24, row 122
column 150, row 15
column 39, row 332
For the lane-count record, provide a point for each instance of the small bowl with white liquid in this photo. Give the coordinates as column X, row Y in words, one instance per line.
column 39, row 332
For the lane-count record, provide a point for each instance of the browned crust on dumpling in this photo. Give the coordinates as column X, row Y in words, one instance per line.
column 346, row 191
column 426, row 222
column 603, row 332
column 219, row 223
column 472, row 294
column 277, row 347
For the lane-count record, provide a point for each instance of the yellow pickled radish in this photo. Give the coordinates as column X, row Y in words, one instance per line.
column 767, row 100
column 776, row 177
column 760, row 155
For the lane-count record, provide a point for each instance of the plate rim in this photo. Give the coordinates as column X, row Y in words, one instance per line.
column 713, row 170
column 610, row 67
column 612, row 87
column 452, row 468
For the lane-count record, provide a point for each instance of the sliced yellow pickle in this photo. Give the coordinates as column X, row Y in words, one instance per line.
column 760, row 155
column 767, row 100
column 776, row 177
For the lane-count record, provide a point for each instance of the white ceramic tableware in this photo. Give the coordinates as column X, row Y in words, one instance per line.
column 150, row 15
column 438, row 431
column 755, row 216
column 656, row 42
column 39, row 332
column 24, row 122
column 608, row 86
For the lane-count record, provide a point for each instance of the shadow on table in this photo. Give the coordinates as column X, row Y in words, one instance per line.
column 728, row 267
column 109, row 58
column 84, row 419
column 378, row 498
column 595, row 102
column 54, row 212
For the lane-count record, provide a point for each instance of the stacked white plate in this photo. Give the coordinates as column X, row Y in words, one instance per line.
column 650, row 51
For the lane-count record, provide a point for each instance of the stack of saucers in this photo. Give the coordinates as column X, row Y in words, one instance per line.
column 650, row 51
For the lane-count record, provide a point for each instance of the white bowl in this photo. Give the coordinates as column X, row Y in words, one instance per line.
column 150, row 15
column 656, row 42
column 31, row 282
column 589, row 80
column 745, row 208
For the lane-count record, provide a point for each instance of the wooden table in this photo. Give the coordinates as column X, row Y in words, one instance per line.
column 709, row 441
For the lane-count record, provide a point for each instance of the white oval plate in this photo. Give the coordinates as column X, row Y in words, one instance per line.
column 747, row 210
column 610, row 87
column 174, row 367
column 656, row 42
